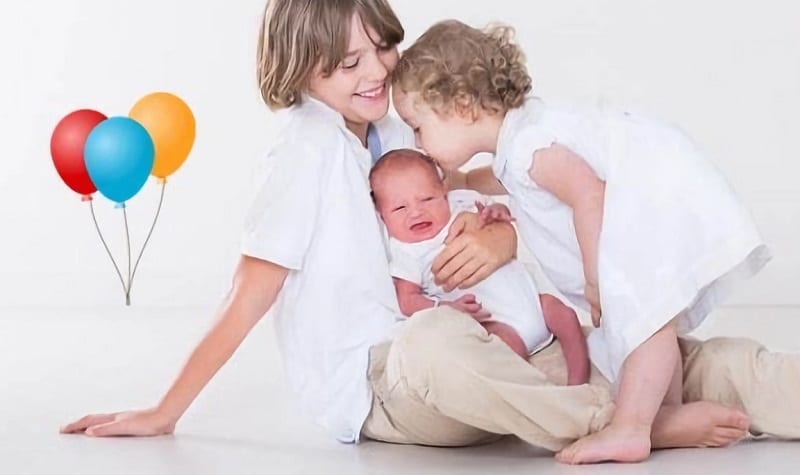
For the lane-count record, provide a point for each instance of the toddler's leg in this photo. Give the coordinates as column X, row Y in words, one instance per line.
column 644, row 381
column 509, row 336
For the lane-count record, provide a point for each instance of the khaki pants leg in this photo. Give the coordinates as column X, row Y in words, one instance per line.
column 447, row 382
column 741, row 372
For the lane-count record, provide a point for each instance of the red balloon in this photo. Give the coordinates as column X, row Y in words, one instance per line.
column 66, row 148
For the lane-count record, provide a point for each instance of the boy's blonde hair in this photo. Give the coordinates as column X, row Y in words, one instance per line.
column 454, row 66
column 299, row 36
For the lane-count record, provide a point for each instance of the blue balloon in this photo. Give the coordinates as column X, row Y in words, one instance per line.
column 119, row 156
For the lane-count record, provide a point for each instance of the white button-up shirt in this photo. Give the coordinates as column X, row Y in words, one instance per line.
column 312, row 214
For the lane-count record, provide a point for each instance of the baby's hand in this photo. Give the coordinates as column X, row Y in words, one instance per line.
column 469, row 305
column 493, row 213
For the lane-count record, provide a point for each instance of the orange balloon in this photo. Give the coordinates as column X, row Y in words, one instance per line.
column 171, row 125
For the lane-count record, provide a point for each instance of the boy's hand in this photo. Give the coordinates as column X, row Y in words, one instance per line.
column 465, row 222
column 493, row 213
column 145, row 423
column 469, row 305
column 592, row 295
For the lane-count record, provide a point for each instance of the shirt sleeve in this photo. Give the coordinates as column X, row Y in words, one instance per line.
column 529, row 141
column 279, row 226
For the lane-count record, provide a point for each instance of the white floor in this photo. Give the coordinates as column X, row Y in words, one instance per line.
column 57, row 365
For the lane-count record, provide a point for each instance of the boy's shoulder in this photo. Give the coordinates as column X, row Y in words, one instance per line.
column 309, row 126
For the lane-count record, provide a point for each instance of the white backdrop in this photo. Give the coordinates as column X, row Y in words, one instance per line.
column 728, row 72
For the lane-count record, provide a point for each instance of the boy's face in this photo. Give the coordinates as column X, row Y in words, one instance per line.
column 359, row 88
column 411, row 202
column 445, row 138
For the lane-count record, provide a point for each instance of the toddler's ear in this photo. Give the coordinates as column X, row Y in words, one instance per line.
column 466, row 109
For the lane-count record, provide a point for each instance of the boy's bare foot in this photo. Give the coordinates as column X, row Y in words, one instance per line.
column 699, row 424
column 612, row 444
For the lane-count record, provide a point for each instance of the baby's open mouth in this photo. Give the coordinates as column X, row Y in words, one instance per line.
column 423, row 226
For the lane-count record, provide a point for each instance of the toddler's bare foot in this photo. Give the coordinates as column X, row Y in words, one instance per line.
column 699, row 424
column 612, row 444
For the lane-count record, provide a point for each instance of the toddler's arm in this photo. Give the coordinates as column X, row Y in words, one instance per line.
column 563, row 322
column 567, row 176
column 255, row 286
column 412, row 300
column 480, row 179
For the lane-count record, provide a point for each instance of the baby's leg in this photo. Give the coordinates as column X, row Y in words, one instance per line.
column 644, row 381
column 508, row 335
column 563, row 323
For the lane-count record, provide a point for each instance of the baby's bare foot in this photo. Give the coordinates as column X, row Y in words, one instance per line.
column 699, row 424
column 612, row 444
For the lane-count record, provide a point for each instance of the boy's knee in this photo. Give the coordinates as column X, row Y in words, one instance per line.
column 431, row 335
column 435, row 328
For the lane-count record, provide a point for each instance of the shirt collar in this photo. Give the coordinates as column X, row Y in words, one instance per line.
column 309, row 103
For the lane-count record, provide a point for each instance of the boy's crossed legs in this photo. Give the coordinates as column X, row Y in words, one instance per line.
column 445, row 382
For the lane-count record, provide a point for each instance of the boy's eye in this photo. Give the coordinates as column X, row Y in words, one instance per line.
column 399, row 208
column 350, row 65
column 428, row 198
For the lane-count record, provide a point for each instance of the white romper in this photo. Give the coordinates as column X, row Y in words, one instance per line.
column 509, row 293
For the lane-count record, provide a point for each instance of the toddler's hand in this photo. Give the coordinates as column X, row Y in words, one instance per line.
column 469, row 305
column 493, row 213
column 592, row 295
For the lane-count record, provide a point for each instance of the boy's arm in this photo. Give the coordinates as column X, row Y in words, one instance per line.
column 480, row 179
column 473, row 251
column 567, row 176
column 256, row 285
column 563, row 323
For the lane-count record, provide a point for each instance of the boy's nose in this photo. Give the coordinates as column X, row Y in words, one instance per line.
column 377, row 71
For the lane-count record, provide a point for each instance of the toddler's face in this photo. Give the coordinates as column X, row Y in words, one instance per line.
column 445, row 138
column 359, row 88
column 411, row 203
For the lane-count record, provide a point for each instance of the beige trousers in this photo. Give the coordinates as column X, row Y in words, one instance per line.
column 446, row 382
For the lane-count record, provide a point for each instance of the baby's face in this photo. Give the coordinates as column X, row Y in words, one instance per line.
column 412, row 203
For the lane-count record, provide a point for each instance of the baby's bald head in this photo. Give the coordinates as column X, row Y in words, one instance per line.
column 402, row 161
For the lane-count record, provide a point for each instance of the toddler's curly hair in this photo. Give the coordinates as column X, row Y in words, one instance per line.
column 454, row 66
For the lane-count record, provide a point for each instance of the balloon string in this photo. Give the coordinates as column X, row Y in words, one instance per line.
column 119, row 274
column 158, row 211
column 128, row 246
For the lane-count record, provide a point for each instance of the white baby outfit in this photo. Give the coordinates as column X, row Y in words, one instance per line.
column 509, row 294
